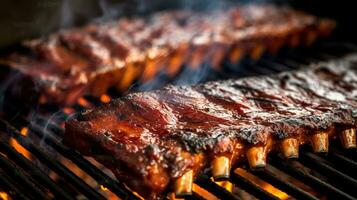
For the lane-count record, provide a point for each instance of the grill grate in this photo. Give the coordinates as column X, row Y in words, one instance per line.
column 330, row 175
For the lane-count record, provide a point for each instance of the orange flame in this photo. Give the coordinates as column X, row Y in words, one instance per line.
column 105, row 98
column 4, row 196
column 68, row 110
column 103, row 188
column 20, row 148
column 84, row 102
column 264, row 185
column 24, row 131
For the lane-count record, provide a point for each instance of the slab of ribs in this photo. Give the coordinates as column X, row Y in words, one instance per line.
column 88, row 60
column 158, row 141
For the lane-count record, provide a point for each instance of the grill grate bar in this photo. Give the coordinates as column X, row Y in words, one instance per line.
column 33, row 170
column 268, row 176
column 84, row 164
column 195, row 196
column 215, row 189
column 17, row 173
column 50, row 162
column 345, row 164
column 10, row 187
column 291, row 167
column 250, row 187
column 43, row 122
column 346, row 183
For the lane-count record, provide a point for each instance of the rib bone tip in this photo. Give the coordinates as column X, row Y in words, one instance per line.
column 220, row 168
column 256, row 157
column 183, row 185
column 348, row 138
column 320, row 142
column 290, row 148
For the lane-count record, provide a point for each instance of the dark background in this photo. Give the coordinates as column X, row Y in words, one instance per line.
column 24, row 19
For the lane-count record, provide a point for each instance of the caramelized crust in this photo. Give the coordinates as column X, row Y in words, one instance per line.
column 151, row 139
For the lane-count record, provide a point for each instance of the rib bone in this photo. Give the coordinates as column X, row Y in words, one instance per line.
column 220, row 168
column 348, row 138
column 183, row 185
column 290, row 148
column 320, row 142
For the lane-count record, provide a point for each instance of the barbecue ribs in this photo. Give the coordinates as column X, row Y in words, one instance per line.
column 161, row 139
column 89, row 60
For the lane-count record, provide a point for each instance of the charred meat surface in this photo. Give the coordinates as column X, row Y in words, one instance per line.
column 156, row 140
column 89, row 60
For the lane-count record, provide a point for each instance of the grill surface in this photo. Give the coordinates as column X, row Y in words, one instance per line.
column 46, row 169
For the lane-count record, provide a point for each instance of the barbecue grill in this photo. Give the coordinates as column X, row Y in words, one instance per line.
column 34, row 164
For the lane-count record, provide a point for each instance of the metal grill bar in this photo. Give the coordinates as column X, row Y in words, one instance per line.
column 339, row 179
column 84, row 164
column 215, row 189
column 33, row 170
column 195, row 196
column 291, row 167
column 50, row 162
column 13, row 190
column 250, row 187
column 268, row 176
column 16, row 173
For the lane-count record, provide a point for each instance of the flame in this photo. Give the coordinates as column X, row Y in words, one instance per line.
column 200, row 191
column 109, row 194
column 24, row 131
column 105, row 98
column 135, row 193
column 68, row 110
column 88, row 179
column 83, row 102
column 264, row 185
column 4, row 196
column 102, row 187
column 20, row 148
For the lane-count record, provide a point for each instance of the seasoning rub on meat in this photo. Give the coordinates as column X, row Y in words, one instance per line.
column 159, row 141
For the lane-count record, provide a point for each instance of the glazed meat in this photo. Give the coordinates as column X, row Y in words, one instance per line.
column 156, row 140
column 89, row 60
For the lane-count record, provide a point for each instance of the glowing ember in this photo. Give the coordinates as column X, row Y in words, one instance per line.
column 105, row 98
column 103, row 188
column 24, row 131
column 20, row 148
column 264, row 185
column 4, row 196
column 83, row 102
column 68, row 110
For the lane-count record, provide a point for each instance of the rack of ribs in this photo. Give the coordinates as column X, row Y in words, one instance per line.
column 90, row 59
column 158, row 141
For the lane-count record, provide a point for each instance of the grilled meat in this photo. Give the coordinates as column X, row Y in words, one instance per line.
column 160, row 139
column 88, row 60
